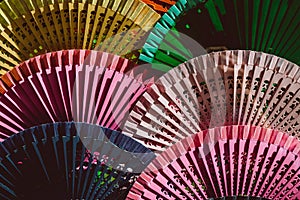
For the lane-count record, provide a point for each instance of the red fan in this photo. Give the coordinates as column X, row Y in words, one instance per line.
column 83, row 86
column 222, row 88
column 242, row 160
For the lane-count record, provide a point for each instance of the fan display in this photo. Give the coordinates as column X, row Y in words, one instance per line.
column 82, row 86
column 222, row 88
column 70, row 161
column 241, row 161
column 30, row 28
column 268, row 26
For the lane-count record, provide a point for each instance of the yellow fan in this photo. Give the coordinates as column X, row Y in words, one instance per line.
column 32, row 27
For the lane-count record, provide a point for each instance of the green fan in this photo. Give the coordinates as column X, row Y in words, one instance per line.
column 262, row 25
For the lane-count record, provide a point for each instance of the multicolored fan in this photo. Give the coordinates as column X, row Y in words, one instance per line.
column 271, row 27
column 70, row 161
column 222, row 162
column 30, row 28
column 73, row 85
column 222, row 88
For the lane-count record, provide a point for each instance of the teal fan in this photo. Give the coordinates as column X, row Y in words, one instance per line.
column 262, row 25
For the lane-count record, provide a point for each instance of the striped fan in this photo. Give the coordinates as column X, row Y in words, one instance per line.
column 268, row 26
column 70, row 161
column 243, row 160
column 83, row 86
column 222, row 88
column 32, row 27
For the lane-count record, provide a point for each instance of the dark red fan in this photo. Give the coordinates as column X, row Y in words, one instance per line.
column 73, row 85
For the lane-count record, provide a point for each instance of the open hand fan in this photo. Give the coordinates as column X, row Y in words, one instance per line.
column 63, row 86
column 242, row 160
column 268, row 26
column 70, row 161
column 222, row 88
column 30, row 28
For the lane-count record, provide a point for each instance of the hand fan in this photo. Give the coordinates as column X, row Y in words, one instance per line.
column 30, row 28
column 242, row 160
column 221, row 88
column 70, row 161
column 83, row 86
column 271, row 27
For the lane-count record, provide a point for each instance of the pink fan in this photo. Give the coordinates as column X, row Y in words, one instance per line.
column 217, row 89
column 246, row 161
column 73, row 85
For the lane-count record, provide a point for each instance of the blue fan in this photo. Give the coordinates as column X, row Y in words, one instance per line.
column 70, row 161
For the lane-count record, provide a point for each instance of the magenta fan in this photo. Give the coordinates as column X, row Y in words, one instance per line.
column 225, row 162
column 81, row 86
column 222, row 88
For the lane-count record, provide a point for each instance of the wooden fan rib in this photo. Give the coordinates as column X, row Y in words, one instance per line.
column 280, row 169
column 48, row 20
column 287, row 102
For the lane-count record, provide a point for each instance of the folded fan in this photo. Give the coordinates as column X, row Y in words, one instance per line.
column 70, row 161
column 243, row 160
column 222, row 88
column 271, row 27
column 84, row 86
column 30, row 28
